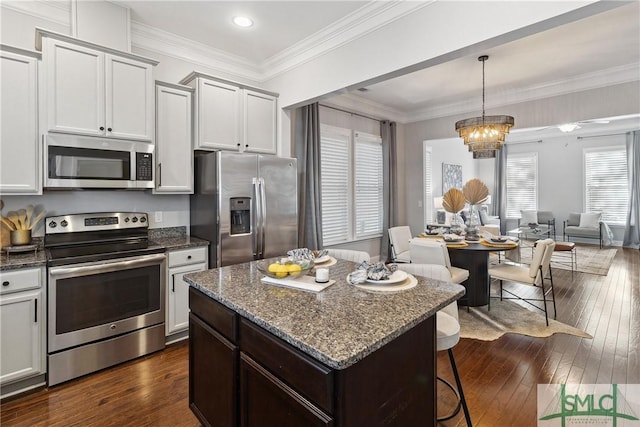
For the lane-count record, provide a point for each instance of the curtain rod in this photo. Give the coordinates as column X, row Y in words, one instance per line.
column 350, row 112
column 538, row 141
column 598, row 136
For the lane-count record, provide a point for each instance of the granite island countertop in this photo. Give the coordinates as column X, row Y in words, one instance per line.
column 338, row 326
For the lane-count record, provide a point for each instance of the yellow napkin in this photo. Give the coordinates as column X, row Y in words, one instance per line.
column 457, row 245
column 505, row 245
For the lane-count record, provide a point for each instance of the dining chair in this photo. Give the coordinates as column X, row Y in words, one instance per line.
column 431, row 251
column 349, row 255
column 447, row 332
column 534, row 275
column 399, row 239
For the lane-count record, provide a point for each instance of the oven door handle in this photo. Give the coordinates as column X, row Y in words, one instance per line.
column 115, row 264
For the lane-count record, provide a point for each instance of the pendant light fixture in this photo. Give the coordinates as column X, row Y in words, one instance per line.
column 484, row 135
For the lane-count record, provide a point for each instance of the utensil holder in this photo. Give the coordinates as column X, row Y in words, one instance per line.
column 20, row 237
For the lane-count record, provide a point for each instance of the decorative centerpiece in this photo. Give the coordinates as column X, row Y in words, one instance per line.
column 475, row 192
column 453, row 202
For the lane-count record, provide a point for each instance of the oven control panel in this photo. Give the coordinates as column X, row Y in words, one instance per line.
column 76, row 223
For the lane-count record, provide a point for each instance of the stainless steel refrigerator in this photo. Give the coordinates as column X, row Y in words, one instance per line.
column 246, row 205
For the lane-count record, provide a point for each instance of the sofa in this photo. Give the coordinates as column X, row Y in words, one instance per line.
column 586, row 225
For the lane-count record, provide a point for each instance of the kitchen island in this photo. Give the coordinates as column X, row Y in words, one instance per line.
column 263, row 355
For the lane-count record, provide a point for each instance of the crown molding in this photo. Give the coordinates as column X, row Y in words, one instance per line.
column 358, row 104
column 58, row 12
column 165, row 43
column 603, row 78
column 366, row 19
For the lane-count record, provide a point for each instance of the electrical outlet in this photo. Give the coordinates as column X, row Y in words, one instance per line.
column 158, row 216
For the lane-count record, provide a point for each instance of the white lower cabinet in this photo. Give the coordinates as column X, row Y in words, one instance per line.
column 181, row 262
column 22, row 324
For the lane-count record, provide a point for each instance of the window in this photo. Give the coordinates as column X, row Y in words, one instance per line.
column 351, row 168
column 522, row 183
column 428, row 188
column 606, row 184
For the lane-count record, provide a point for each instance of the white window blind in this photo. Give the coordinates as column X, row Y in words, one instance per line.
column 522, row 183
column 334, row 166
column 368, row 185
column 606, row 185
column 428, row 189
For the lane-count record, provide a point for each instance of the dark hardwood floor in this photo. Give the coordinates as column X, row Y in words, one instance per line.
column 499, row 377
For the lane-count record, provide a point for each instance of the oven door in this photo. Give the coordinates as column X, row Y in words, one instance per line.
column 92, row 301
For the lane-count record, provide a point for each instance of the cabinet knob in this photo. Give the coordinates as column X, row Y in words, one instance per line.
column 109, row 129
column 188, row 256
column 101, row 127
column 246, row 145
column 238, row 144
column 5, row 283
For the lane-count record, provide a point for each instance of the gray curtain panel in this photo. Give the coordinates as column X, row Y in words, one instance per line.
column 307, row 151
column 499, row 197
column 390, row 186
column 632, row 227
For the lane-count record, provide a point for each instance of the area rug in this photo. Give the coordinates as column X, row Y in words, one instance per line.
column 591, row 259
column 508, row 317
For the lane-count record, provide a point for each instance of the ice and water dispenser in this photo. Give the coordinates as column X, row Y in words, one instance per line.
column 240, row 215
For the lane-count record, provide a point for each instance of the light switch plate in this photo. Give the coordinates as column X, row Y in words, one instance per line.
column 158, row 216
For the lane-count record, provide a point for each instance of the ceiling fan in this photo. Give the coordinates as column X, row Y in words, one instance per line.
column 570, row 127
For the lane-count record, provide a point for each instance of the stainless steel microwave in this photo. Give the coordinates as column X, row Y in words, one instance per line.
column 73, row 161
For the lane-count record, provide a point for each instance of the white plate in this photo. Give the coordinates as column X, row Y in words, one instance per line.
column 323, row 258
column 396, row 277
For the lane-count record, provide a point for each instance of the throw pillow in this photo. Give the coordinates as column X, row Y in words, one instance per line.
column 574, row 219
column 590, row 219
column 528, row 217
column 484, row 218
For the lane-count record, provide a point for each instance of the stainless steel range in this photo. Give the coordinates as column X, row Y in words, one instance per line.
column 106, row 290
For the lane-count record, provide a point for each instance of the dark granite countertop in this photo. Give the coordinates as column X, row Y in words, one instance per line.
column 338, row 326
column 168, row 238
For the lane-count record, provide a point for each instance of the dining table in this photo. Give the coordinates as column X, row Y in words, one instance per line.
column 474, row 257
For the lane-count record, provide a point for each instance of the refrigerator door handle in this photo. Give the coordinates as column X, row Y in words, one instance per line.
column 263, row 216
column 256, row 231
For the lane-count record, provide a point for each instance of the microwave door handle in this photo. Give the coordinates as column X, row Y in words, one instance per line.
column 263, row 216
column 255, row 211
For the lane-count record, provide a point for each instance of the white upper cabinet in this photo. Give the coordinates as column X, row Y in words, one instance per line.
column 217, row 115
column 230, row 116
column 259, row 134
column 174, row 158
column 19, row 148
column 98, row 92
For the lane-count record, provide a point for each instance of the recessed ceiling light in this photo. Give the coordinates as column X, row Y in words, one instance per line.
column 242, row 21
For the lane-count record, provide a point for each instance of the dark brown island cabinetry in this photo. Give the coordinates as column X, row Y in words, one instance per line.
column 240, row 374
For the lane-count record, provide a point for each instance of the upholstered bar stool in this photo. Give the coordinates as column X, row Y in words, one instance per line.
column 447, row 332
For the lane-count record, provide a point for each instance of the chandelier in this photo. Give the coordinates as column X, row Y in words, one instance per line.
column 484, row 135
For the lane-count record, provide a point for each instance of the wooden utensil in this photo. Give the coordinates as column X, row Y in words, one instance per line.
column 22, row 217
column 36, row 220
column 9, row 224
column 13, row 217
column 29, row 215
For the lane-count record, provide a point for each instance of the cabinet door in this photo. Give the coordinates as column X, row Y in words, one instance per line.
column 178, row 297
column 174, row 171
column 129, row 98
column 75, row 88
column 259, row 122
column 267, row 401
column 218, row 115
column 19, row 163
column 212, row 375
column 21, row 332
